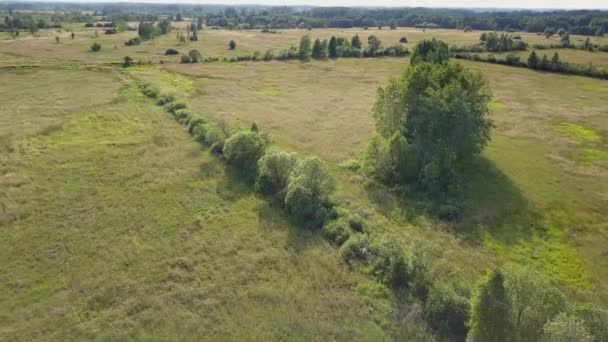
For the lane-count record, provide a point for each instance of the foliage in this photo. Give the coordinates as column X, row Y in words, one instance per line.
column 309, row 189
column 434, row 51
column 356, row 248
column 490, row 311
column 171, row 51
column 95, row 47
column 304, row 50
column 194, row 56
column 447, row 312
column 594, row 319
column 232, row 45
column 274, row 169
column 133, row 41
column 565, row 328
column 127, row 62
column 244, row 149
column 341, row 225
column 442, row 112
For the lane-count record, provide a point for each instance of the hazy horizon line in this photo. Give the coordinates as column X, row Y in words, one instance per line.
column 272, row 3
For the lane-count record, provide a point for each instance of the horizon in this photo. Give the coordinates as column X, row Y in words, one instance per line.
column 433, row 4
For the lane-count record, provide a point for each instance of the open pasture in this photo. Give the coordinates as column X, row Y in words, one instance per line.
column 214, row 43
column 544, row 166
column 117, row 225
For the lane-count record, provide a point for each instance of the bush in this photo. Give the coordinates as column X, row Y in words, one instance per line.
column 164, row 99
column 195, row 56
column 244, row 149
column 594, row 319
column 565, row 328
column 341, row 225
column 171, row 51
column 309, row 189
column 447, row 312
column 214, row 137
column 403, row 40
column 274, row 169
column 133, row 41
column 356, row 248
column 95, row 47
column 127, row 62
column 151, row 92
column 389, row 263
column 193, row 124
column 185, row 59
column 183, row 116
column 173, row 107
column 232, row 45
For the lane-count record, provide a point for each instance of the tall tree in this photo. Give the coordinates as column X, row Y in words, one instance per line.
column 442, row 111
column 332, row 47
column 305, row 49
column 355, row 42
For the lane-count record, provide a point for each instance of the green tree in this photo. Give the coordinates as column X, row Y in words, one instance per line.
column 244, row 149
column 600, row 31
column 544, row 63
column 491, row 311
column 199, row 23
column 587, row 45
column 332, row 47
column 442, row 111
column 374, row 45
column 317, row 49
column 195, row 56
column 194, row 36
column 566, row 328
column 127, row 61
column 594, row 319
column 393, row 25
column 305, row 48
column 565, row 40
column 533, row 303
column 434, row 51
column 555, row 59
column 73, row 35
column 95, row 47
column 274, row 169
column 57, row 39
column 310, row 186
column 533, row 61
column 355, row 42
column 232, row 45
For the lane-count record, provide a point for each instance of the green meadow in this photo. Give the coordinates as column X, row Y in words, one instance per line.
column 116, row 225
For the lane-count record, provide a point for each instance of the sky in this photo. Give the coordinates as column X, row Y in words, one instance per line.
column 528, row 4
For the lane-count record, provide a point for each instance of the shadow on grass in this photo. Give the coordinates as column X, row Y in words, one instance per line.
column 234, row 185
column 489, row 203
column 272, row 216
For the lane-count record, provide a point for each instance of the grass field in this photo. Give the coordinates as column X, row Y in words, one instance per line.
column 536, row 209
column 215, row 42
column 117, row 226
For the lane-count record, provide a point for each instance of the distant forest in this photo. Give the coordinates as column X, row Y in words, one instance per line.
column 584, row 22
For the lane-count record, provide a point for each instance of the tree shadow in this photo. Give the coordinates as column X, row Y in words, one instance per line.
column 271, row 216
column 487, row 203
column 234, row 185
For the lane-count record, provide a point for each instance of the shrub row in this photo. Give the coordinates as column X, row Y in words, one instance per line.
column 562, row 67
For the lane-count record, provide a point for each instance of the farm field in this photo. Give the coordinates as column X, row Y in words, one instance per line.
column 117, row 225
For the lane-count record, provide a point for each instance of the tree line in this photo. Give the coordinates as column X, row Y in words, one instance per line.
column 584, row 22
